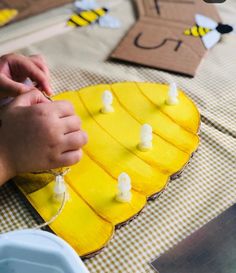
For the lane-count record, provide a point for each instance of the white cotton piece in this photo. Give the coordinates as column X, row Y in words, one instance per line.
column 29, row 83
column 146, row 137
column 124, row 188
column 173, row 94
column 107, row 100
column 124, row 182
column 60, row 187
column 146, row 129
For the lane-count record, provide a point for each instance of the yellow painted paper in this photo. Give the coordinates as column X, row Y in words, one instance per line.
column 92, row 212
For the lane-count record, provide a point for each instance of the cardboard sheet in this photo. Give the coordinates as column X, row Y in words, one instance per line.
column 157, row 39
column 176, row 10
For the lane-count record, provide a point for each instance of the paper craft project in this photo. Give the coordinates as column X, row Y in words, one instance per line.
column 208, row 30
column 159, row 40
column 114, row 180
column 7, row 15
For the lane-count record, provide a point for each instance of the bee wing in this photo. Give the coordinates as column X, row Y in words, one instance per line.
column 211, row 39
column 109, row 21
column 205, row 22
column 86, row 4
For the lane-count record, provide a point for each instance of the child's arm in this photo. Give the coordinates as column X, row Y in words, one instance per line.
column 36, row 134
column 15, row 69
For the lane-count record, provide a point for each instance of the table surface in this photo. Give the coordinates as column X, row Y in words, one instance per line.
column 207, row 187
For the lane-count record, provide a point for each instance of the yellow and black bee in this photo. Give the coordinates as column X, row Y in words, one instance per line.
column 86, row 17
column 208, row 30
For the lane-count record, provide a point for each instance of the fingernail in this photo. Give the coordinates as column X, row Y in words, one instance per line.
column 46, row 95
column 50, row 89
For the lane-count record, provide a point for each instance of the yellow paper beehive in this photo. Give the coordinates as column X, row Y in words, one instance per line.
column 92, row 212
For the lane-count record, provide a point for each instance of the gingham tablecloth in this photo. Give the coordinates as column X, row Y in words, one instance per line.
column 206, row 188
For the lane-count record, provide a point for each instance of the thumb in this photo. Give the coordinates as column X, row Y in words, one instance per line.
column 10, row 88
column 30, row 98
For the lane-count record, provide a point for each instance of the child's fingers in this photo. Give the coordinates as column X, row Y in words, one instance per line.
column 41, row 63
column 71, row 124
column 63, row 108
column 75, row 141
column 22, row 67
column 70, row 158
column 11, row 88
column 30, row 98
column 37, row 75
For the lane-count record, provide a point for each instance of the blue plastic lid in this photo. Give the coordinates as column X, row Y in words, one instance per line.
column 37, row 251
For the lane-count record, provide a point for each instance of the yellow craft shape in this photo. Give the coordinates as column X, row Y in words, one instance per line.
column 164, row 155
column 112, row 156
column 144, row 110
column 7, row 15
column 92, row 212
column 78, row 224
column 102, row 198
column 184, row 113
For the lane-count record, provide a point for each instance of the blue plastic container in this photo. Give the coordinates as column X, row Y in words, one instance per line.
column 36, row 251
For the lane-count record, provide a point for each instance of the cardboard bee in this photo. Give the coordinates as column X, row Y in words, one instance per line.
column 208, row 30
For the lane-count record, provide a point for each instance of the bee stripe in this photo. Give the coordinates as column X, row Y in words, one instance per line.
column 100, row 12
column 95, row 12
column 187, row 32
column 71, row 23
column 197, row 31
column 89, row 16
column 194, row 31
column 201, row 31
column 86, row 18
column 79, row 21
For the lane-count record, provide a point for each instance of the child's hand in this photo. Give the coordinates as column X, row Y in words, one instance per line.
column 15, row 69
column 36, row 134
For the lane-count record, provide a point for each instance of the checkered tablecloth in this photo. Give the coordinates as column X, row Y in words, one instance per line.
column 206, row 188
